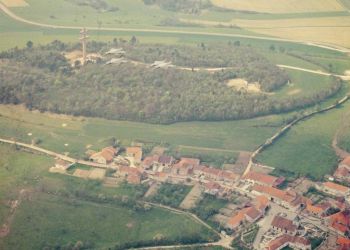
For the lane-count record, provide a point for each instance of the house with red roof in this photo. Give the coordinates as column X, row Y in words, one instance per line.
column 134, row 152
column 287, row 240
column 245, row 215
column 284, row 225
column 185, row 166
column 343, row 243
column 317, row 210
column 335, row 189
column 263, row 179
column 149, row 162
column 105, row 156
column 261, row 203
column 132, row 175
column 287, row 199
column 212, row 188
column 340, row 222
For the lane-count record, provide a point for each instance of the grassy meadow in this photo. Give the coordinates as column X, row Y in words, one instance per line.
column 55, row 131
column 306, row 149
column 46, row 220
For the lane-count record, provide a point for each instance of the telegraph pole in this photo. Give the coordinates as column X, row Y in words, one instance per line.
column 83, row 38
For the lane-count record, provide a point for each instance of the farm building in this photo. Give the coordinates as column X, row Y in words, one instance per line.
column 135, row 152
column 105, row 156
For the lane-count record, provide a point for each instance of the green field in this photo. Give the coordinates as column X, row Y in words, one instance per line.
column 46, row 220
column 306, row 149
column 55, row 131
column 51, row 214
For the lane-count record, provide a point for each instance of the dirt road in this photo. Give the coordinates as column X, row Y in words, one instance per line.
column 318, row 72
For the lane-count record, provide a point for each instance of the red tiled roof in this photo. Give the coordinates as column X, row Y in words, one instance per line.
column 129, row 170
column 134, row 179
column 136, row 151
column 253, row 213
column 212, row 185
column 346, row 161
column 274, row 192
column 314, row 209
column 261, row 202
column 189, row 161
column 340, row 221
column 287, row 239
column 228, row 175
column 341, row 172
column 164, row 159
column 284, row 224
column 149, row 160
column 237, row 219
column 262, row 178
column 344, row 242
column 335, row 186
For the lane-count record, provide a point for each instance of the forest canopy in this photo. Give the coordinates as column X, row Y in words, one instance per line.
column 43, row 79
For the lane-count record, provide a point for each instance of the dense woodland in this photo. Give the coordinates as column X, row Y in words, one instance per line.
column 41, row 78
column 243, row 61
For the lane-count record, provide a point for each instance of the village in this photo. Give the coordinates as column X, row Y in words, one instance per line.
column 271, row 213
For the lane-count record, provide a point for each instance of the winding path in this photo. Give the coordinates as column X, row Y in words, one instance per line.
column 8, row 12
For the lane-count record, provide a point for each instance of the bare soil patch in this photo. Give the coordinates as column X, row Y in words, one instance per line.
column 241, row 84
column 97, row 174
column 81, row 173
column 294, row 92
column 15, row 3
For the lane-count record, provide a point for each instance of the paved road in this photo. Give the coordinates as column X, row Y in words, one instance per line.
column 53, row 154
column 23, row 20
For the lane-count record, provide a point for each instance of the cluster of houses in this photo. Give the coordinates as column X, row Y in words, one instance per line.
column 263, row 189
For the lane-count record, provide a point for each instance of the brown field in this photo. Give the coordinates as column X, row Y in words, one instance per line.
column 280, row 6
column 81, row 173
column 97, row 174
column 14, row 3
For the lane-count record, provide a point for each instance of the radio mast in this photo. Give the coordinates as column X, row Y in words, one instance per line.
column 83, row 39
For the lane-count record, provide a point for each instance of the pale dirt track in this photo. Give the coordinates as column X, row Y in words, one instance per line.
column 180, row 32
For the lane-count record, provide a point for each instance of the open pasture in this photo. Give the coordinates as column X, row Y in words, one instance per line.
column 307, row 148
column 17, row 122
column 46, row 220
